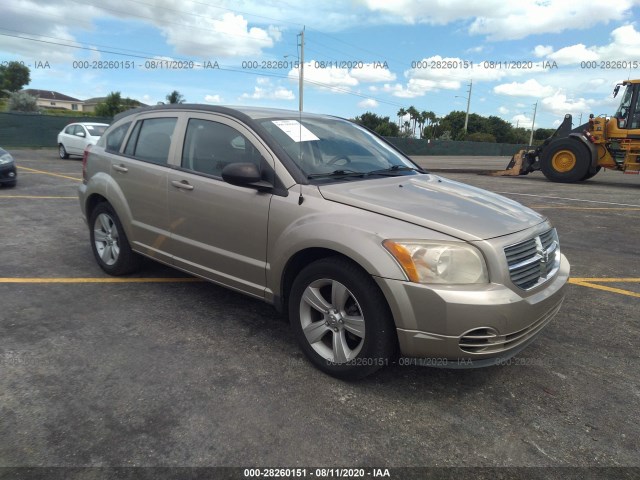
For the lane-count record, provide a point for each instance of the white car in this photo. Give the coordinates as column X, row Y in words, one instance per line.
column 76, row 136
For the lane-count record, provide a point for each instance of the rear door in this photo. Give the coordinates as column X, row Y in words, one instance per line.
column 218, row 230
column 140, row 171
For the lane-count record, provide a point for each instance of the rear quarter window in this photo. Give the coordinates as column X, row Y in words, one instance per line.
column 113, row 141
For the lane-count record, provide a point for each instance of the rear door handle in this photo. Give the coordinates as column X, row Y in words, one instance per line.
column 184, row 185
column 120, row 168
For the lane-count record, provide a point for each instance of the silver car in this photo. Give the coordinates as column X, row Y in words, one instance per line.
column 367, row 254
column 75, row 137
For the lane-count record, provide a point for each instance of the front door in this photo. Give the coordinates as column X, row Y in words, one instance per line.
column 219, row 230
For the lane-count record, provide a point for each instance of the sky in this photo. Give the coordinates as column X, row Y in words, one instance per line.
column 505, row 58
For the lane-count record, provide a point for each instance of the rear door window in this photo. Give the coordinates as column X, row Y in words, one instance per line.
column 151, row 140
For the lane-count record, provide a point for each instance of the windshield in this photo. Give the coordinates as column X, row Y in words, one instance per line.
column 96, row 130
column 332, row 146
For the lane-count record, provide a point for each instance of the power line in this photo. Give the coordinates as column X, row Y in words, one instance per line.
column 220, row 67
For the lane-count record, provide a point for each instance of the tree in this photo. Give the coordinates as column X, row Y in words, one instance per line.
column 401, row 113
column 114, row 104
column 22, row 102
column 175, row 97
column 14, row 76
column 381, row 125
column 413, row 117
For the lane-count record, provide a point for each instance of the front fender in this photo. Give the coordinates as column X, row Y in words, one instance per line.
column 593, row 161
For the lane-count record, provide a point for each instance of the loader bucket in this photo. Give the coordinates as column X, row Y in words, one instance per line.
column 514, row 168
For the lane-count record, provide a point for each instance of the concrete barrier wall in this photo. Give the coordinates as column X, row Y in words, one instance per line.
column 36, row 130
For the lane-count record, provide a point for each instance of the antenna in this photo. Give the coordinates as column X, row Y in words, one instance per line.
column 301, row 99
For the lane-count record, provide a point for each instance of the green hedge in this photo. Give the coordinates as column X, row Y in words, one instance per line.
column 414, row 146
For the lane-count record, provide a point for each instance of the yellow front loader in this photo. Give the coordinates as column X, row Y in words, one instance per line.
column 573, row 155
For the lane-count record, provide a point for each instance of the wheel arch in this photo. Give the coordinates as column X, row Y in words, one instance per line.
column 299, row 261
column 593, row 153
column 102, row 188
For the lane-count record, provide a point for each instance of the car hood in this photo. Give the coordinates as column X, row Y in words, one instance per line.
column 449, row 207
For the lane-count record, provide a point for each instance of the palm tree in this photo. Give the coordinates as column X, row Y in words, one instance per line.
column 413, row 116
column 175, row 97
column 401, row 113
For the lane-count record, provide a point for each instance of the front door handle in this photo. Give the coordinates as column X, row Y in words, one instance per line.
column 184, row 185
column 120, row 168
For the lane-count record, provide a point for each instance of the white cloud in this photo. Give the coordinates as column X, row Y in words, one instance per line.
column 573, row 54
column 264, row 90
column 371, row 72
column 624, row 45
column 503, row 110
column 560, row 104
column 530, row 88
column 368, row 103
column 332, row 78
column 227, row 36
column 542, row 50
column 501, row 20
column 521, row 121
column 213, row 98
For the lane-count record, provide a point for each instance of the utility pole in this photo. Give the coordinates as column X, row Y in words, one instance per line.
column 533, row 122
column 466, row 118
column 301, row 78
column 580, row 121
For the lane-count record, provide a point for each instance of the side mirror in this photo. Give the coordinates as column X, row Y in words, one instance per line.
column 244, row 175
column 80, row 134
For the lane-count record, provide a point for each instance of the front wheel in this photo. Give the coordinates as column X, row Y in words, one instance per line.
column 109, row 242
column 565, row 160
column 341, row 319
column 62, row 152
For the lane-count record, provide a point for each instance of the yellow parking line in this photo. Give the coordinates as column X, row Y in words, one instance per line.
column 99, row 280
column 34, row 196
column 33, row 170
column 588, row 282
column 607, row 280
column 560, row 207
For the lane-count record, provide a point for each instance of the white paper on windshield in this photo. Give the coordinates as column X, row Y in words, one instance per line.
column 296, row 131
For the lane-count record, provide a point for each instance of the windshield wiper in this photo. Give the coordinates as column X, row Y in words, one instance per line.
column 338, row 173
column 394, row 169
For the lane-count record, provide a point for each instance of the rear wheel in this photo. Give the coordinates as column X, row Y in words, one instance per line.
column 591, row 175
column 341, row 319
column 109, row 242
column 62, row 152
column 565, row 160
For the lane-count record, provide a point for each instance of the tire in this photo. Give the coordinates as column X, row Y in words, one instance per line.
column 109, row 242
column 341, row 319
column 565, row 160
column 11, row 184
column 62, row 152
column 591, row 175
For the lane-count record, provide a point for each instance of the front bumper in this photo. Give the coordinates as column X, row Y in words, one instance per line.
column 470, row 325
column 8, row 173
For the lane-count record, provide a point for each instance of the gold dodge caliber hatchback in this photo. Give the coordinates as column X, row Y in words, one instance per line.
column 367, row 253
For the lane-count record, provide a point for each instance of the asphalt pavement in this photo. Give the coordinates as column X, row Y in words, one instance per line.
column 159, row 370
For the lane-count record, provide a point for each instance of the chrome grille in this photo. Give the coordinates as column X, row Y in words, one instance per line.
column 534, row 261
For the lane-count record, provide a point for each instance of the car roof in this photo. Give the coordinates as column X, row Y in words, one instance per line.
column 93, row 124
column 254, row 113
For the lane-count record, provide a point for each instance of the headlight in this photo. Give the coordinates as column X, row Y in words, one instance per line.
column 5, row 159
column 439, row 262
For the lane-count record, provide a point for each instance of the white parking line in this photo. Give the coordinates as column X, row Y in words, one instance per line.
column 570, row 199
